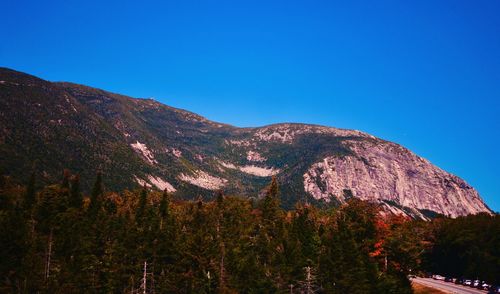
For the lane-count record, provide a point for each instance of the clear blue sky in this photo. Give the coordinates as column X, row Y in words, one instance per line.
column 425, row 74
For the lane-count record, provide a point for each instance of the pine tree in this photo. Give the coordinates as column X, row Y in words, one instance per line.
column 302, row 242
column 13, row 247
column 270, row 205
column 220, row 228
column 96, row 195
column 273, row 189
column 141, row 207
column 167, row 252
column 65, row 188
column 65, row 182
column 30, row 195
column 164, row 205
column 270, row 239
column 345, row 263
column 76, row 199
column 220, row 198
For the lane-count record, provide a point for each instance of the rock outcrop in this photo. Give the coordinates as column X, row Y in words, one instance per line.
column 384, row 171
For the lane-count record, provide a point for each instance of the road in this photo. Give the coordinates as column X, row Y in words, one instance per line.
column 447, row 287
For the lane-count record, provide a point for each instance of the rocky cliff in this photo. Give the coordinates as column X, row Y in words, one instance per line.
column 379, row 170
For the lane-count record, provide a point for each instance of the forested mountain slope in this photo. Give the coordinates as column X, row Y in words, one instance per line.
column 47, row 127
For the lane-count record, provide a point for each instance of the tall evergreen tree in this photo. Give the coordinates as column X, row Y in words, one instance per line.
column 65, row 181
column 270, row 239
column 13, row 247
column 166, row 217
column 270, row 205
column 96, row 195
column 76, row 199
column 30, row 194
column 220, row 198
column 273, row 189
column 164, row 204
column 141, row 207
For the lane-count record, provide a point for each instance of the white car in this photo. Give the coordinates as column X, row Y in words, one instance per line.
column 438, row 277
column 467, row 282
column 485, row 286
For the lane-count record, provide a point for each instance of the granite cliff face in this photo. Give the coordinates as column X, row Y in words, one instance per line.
column 51, row 126
column 387, row 172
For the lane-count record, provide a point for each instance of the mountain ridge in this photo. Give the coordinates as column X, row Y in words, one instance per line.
column 140, row 141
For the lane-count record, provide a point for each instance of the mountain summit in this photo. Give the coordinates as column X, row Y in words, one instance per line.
column 49, row 127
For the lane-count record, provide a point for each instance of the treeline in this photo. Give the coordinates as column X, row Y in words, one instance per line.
column 55, row 240
column 465, row 247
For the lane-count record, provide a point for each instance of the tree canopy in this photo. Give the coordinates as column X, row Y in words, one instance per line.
column 55, row 240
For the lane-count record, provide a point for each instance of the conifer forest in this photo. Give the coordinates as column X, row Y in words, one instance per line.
column 56, row 239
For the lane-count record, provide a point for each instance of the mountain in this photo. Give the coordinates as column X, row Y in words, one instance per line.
column 48, row 127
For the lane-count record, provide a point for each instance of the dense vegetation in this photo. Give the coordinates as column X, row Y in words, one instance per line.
column 466, row 247
column 55, row 240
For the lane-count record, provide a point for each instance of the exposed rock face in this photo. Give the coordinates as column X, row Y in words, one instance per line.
column 255, row 156
column 287, row 133
column 204, row 180
column 144, row 142
column 385, row 171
